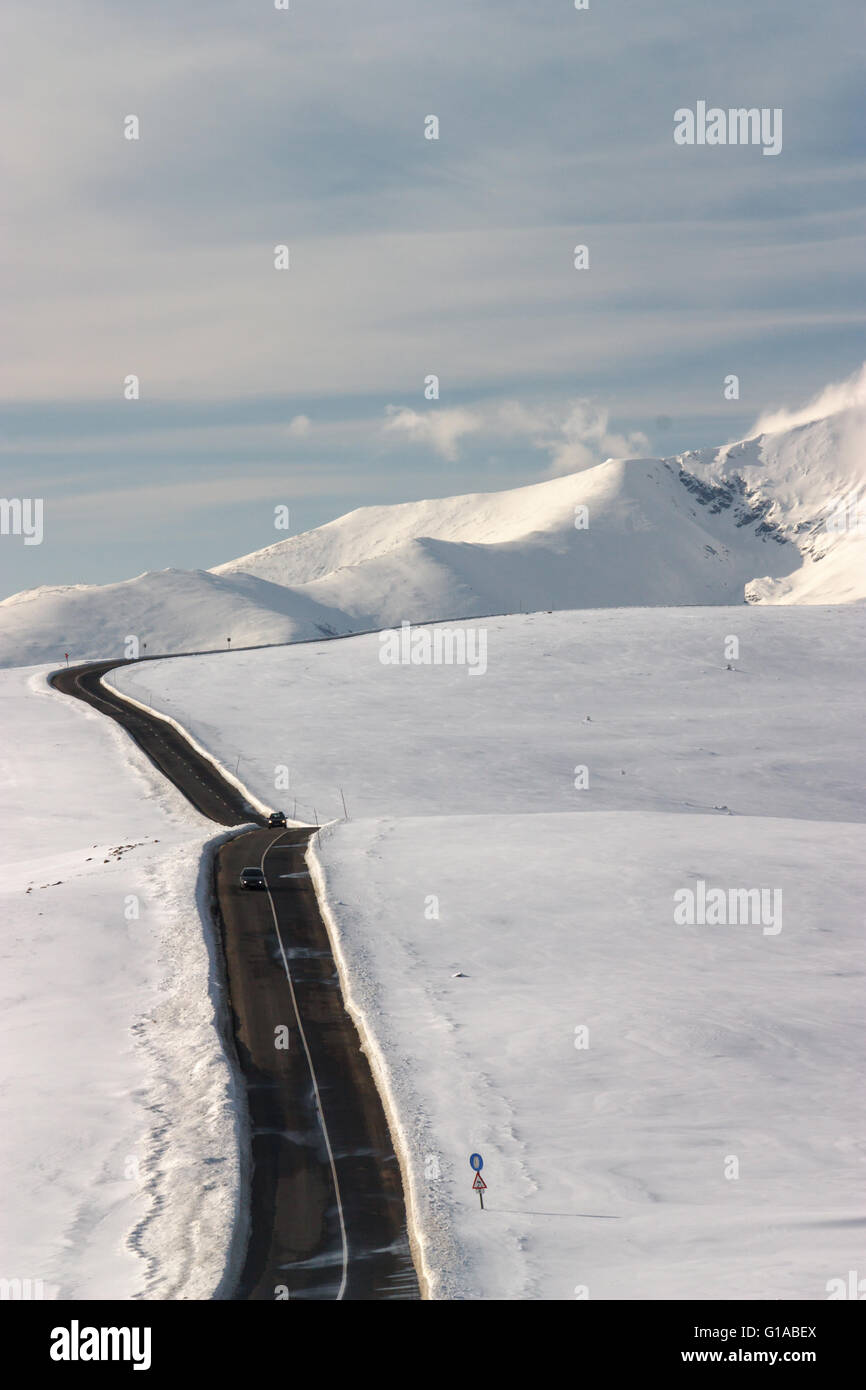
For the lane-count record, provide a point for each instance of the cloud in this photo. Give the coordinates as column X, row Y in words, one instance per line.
column 575, row 436
column 299, row 426
column 840, row 395
column 441, row 430
column 165, row 259
column 584, row 439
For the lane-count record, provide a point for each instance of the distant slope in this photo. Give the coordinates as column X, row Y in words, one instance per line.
column 170, row 610
column 776, row 519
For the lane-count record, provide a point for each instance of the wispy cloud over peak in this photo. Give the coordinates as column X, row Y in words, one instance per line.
column 575, row 435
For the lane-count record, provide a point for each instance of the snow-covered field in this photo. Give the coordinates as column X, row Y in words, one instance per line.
column 119, row 1162
column 665, row 1110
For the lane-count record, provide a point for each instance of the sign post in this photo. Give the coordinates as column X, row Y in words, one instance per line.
column 476, row 1163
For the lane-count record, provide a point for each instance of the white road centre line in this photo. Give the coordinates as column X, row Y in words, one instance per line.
column 312, row 1073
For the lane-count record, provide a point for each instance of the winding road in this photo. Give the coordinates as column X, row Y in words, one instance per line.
column 327, row 1216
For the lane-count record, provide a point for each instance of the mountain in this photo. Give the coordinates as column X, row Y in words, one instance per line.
column 779, row 518
column 770, row 519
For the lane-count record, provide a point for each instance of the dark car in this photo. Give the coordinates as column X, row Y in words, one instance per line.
column 252, row 878
column 277, row 818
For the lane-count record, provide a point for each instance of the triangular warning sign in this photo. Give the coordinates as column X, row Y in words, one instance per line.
column 479, row 1184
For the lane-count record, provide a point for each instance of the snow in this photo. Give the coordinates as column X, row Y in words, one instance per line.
column 756, row 520
column 606, row 1165
column 168, row 610
column 629, row 691
column 117, row 1095
column 484, row 909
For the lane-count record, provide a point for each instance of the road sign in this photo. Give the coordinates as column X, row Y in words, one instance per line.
column 479, row 1186
column 476, row 1162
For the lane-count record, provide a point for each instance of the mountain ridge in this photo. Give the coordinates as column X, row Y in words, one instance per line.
column 750, row 521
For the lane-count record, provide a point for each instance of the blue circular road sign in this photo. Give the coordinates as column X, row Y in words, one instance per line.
column 476, row 1162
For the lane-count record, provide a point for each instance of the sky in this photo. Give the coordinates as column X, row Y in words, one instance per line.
column 409, row 257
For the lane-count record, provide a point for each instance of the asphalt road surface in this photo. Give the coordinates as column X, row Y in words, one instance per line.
column 327, row 1215
column 196, row 777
